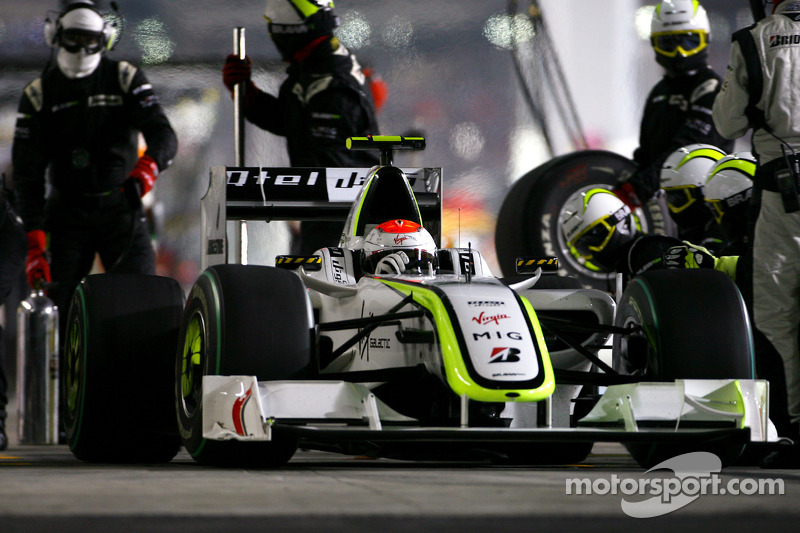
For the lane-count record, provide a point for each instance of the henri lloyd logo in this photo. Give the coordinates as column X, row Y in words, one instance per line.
column 693, row 475
column 504, row 355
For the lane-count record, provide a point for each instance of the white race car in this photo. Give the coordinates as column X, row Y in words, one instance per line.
column 418, row 352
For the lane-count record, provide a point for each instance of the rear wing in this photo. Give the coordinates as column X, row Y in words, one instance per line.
column 239, row 194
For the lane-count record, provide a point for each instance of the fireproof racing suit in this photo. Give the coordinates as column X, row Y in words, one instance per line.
column 773, row 48
column 323, row 101
column 85, row 131
column 677, row 113
column 12, row 263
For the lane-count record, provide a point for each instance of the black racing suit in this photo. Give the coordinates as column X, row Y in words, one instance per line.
column 677, row 113
column 83, row 134
column 323, row 101
column 12, row 263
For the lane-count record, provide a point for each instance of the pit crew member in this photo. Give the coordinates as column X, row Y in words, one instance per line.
column 677, row 111
column 324, row 100
column 759, row 93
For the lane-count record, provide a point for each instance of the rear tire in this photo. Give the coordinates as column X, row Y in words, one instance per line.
column 241, row 320
column 117, row 372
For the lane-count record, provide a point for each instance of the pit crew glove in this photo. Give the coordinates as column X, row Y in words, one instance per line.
column 37, row 269
column 689, row 256
column 140, row 181
column 237, row 70
column 627, row 194
column 392, row 264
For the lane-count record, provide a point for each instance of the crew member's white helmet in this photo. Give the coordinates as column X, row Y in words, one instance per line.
column 679, row 15
column 395, row 236
column 684, row 173
column 680, row 33
column 596, row 224
column 729, row 188
column 81, row 34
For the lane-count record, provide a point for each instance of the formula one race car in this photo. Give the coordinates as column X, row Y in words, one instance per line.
column 389, row 346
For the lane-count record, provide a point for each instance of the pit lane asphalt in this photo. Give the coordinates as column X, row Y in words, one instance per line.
column 43, row 488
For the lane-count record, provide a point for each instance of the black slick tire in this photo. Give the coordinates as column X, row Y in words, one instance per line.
column 694, row 325
column 241, row 320
column 117, row 370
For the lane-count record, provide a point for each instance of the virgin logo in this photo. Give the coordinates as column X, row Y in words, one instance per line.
column 401, row 239
column 483, row 318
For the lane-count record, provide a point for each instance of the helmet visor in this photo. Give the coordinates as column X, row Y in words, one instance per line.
column 75, row 40
column 681, row 197
column 597, row 235
column 685, row 43
column 418, row 260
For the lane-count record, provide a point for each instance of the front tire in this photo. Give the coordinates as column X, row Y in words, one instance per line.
column 121, row 336
column 241, row 320
column 694, row 326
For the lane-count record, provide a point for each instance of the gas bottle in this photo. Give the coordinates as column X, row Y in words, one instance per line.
column 37, row 369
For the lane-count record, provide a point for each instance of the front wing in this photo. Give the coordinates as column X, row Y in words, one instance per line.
column 697, row 411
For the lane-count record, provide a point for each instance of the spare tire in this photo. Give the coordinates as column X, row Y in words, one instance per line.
column 527, row 224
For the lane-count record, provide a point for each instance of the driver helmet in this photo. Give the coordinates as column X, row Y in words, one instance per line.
column 293, row 24
column 683, row 176
column 728, row 190
column 396, row 236
column 597, row 224
column 679, row 33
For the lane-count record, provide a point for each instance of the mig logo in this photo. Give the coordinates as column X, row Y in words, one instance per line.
column 504, row 355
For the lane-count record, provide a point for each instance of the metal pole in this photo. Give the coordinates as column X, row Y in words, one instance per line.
column 240, row 247
column 238, row 101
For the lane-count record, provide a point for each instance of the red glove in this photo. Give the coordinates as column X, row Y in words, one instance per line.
column 145, row 172
column 36, row 267
column 235, row 71
column 628, row 196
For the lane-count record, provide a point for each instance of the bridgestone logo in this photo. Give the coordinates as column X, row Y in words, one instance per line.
column 783, row 40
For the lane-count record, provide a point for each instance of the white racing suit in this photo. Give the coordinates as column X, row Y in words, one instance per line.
column 774, row 114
